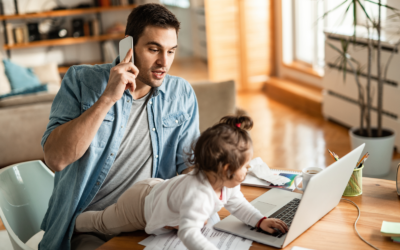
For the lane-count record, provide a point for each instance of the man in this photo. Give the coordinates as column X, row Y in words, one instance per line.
column 112, row 125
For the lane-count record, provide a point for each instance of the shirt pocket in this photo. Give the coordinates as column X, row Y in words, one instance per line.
column 103, row 133
column 172, row 125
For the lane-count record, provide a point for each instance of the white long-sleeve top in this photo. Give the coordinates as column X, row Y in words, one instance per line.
column 188, row 201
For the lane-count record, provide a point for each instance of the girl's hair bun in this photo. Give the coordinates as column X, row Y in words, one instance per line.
column 242, row 122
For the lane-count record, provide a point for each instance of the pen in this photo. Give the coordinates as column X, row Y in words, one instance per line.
column 361, row 161
column 334, row 156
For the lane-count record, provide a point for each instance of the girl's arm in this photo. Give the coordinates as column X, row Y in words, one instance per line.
column 194, row 211
column 238, row 206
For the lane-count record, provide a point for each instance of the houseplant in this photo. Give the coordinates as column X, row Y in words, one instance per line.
column 379, row 141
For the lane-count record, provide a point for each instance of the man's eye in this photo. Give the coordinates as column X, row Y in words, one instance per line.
column 171, row 52
column 153, row 50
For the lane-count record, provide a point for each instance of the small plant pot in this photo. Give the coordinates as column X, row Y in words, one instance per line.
column 380, row 150
column 354, row 186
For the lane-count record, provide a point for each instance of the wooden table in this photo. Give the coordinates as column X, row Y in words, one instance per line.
column 378, row 202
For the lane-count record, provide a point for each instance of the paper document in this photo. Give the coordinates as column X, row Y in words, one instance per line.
column 261, row 170
column 225, row 241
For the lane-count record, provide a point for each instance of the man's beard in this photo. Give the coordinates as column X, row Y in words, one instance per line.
column 148, row 81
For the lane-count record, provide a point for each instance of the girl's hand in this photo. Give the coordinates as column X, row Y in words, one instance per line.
column 268, row 225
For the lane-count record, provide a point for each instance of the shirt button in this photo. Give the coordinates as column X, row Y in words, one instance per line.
column 154, row 129
column 151, row 102
column 127, row 101
column 112, row 154
column 156, row 156
column 176, row 121
column 122, row 126
column 98, row 183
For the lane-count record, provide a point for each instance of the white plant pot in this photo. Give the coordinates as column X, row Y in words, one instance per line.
column 380, row 151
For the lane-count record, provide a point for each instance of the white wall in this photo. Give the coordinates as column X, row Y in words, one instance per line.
column 185, row 38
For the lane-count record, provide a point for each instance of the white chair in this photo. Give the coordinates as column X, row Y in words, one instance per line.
column 25, row 190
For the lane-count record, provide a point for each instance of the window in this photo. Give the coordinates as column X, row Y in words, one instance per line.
column 303, row 37
column 177, row 3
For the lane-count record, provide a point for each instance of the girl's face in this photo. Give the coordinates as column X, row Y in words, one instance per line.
column 241, row 173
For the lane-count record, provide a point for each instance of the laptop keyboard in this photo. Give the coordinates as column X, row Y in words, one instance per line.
column 286, row 214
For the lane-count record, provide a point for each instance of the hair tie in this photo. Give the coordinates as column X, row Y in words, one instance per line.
column 238, row 125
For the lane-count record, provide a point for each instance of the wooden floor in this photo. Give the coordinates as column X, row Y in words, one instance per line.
column 287, row 138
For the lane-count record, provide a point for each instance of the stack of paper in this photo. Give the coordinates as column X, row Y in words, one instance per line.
column 225, row 241
column 391, row 229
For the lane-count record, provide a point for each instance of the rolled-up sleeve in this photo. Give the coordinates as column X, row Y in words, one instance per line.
column 66, row 105
column 190, row 132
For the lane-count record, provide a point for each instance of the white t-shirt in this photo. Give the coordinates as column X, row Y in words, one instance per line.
column 188, row 201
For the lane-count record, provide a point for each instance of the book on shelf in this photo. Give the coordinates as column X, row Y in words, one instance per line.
column 10, row 34
column 124, row 2
column 19, row 35
column 107, row 3
column 95, row 28
column 252, row 180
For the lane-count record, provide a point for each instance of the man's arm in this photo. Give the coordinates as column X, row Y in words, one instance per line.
column 69, row 141
column 190, row 133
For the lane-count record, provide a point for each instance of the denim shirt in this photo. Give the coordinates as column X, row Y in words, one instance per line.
column 173, row 121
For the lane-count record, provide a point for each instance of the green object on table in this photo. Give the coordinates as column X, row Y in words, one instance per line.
column 390, row 227
column 354, row 187
column 397, row 239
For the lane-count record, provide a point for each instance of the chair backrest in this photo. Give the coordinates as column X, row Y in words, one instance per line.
column 215, row 100
column 25, row 190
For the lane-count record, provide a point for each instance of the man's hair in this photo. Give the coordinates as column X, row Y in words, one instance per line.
column 150, row 15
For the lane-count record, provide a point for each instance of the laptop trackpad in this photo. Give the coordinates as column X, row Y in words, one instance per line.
column 263, row 207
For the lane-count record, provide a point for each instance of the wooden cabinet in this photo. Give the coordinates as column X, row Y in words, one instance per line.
column 239, row 41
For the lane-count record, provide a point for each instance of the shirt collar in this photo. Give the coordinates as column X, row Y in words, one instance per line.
column 156, row 90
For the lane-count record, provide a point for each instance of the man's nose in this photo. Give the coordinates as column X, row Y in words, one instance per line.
column 163, row 59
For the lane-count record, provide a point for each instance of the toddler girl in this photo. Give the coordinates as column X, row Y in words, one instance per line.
column 220, row 161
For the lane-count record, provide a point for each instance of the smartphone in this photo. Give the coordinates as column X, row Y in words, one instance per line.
column 124, row 46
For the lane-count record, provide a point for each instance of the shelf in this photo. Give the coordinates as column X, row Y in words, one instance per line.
column 68, row 12
column 64, row 68
column 65, row 41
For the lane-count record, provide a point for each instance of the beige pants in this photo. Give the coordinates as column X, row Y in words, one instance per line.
column 127, row 215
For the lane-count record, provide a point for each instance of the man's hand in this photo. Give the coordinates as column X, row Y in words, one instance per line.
column 122, row 77
column 268, row 225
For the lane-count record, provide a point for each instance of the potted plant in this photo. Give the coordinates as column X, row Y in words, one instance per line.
column 379, row 141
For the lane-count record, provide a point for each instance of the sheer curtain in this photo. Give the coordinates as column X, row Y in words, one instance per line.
column 303, row 27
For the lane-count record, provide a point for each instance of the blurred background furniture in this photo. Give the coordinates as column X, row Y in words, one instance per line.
column 26, row 117
column 25, row 190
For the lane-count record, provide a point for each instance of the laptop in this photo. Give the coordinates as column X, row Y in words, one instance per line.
column 299, row 211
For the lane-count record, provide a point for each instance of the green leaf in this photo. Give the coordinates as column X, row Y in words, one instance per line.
column 354, row 19
column 336, row 48
column 383, row 5
column 329, row 11
column 365, row 11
